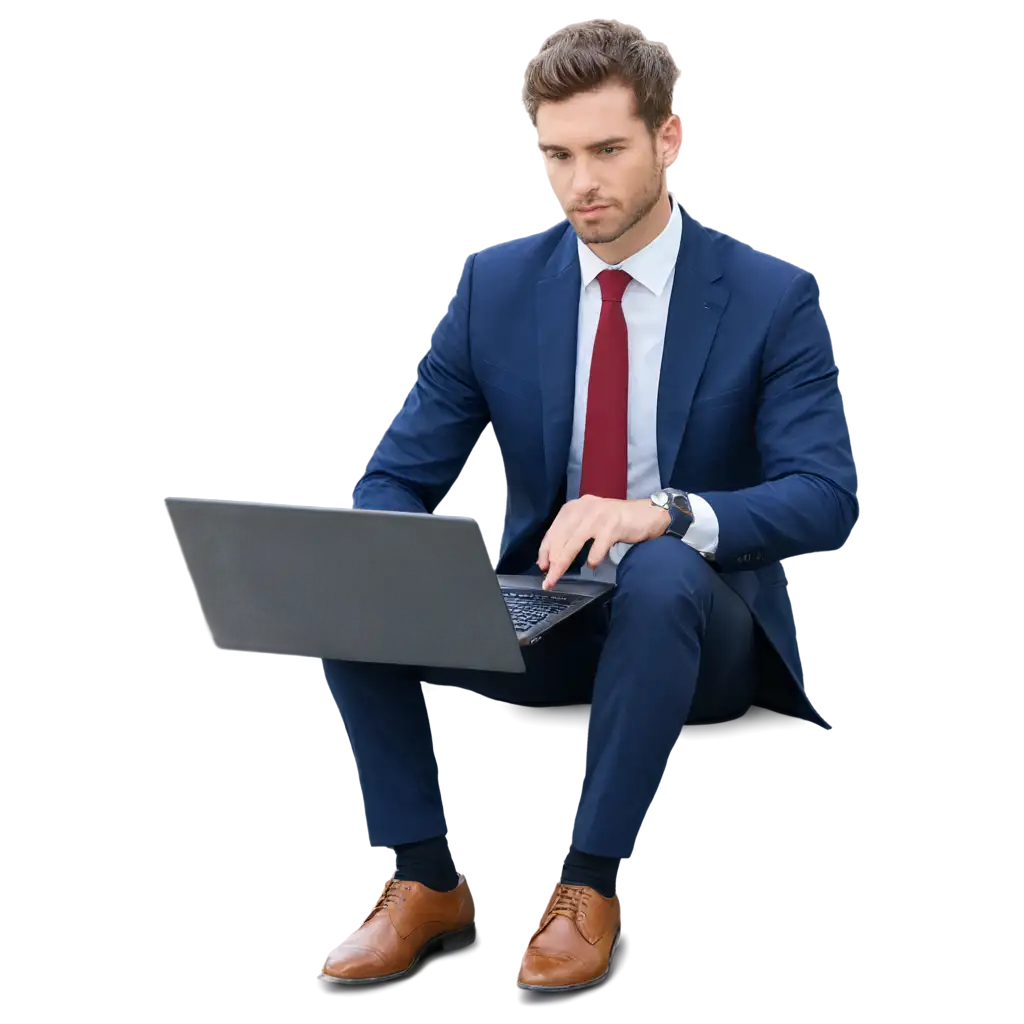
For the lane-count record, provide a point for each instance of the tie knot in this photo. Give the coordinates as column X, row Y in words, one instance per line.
column 613, row 283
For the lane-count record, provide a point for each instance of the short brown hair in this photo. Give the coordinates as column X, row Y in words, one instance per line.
column 588, row 54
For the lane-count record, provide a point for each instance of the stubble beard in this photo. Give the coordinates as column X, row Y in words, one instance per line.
column 644, row 205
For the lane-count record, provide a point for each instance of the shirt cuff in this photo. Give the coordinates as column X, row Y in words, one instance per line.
column 703, row 531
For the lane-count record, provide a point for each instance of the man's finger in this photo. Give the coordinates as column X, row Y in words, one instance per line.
column 555, row 537
column 569, row 550
column 598, row 550
column 576, row 545
column 548, row 547
column 559, row 563
column 606, row 531
column 558, row 566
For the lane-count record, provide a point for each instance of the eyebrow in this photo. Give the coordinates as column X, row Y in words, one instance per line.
column 546, row 147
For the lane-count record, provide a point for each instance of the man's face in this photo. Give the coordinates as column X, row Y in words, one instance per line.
column 625, row 174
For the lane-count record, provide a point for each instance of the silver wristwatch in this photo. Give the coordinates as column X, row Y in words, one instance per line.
column 677, row 504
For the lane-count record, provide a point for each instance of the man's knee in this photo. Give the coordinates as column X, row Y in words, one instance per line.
column 664, row 572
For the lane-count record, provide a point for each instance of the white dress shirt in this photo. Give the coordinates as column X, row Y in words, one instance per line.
column 645, row 308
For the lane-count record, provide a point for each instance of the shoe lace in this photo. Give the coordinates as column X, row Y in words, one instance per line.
column 568, row 901
column 389, row 897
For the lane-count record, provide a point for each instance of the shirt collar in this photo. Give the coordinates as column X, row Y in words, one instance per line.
column 651, row 266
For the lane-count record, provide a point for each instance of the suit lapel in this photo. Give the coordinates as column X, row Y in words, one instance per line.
column 695, row 308
column 699, row 297
column 558, row 304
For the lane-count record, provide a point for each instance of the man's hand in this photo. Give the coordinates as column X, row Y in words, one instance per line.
column 606, row 520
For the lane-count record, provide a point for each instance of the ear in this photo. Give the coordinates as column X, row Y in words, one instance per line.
column 684, row 129
column 675, row 137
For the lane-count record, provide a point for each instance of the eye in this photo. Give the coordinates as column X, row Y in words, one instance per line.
column 604, row 149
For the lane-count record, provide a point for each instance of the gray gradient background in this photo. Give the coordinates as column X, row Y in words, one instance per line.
column 221, row 238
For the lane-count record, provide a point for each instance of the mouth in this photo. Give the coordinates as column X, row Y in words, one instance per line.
column 588, row 210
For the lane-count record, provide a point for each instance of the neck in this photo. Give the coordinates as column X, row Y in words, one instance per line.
column 641, row 234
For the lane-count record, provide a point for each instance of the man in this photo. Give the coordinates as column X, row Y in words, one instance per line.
column 625, row 350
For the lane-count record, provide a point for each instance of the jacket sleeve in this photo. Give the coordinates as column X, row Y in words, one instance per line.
column 807, row 500
column 429, row 441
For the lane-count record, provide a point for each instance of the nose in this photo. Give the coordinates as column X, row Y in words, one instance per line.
column 584, row 184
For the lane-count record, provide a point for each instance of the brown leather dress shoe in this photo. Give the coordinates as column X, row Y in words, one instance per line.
column 573, row 946
column 409, row 920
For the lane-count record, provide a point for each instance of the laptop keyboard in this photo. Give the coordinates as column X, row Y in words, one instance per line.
column 528, row 607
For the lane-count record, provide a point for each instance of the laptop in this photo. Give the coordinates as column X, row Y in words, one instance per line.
column 405, row 588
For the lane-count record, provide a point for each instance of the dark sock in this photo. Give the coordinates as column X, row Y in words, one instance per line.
column 587, row 869
column 429, row 862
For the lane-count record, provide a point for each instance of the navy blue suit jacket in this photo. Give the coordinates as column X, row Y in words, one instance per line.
column 749, row 414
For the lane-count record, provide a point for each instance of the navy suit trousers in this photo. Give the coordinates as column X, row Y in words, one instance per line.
column 674, row 645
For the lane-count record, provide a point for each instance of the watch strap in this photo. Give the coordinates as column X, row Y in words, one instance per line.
column 680, row 511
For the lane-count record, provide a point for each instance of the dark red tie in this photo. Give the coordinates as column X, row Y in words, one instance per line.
column 604, row 440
